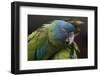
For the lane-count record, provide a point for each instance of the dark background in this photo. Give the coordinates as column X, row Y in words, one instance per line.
column 35, row 21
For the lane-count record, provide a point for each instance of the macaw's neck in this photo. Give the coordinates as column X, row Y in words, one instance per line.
column 56, row 43
column 53, row 47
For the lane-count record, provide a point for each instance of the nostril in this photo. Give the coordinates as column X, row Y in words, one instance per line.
column 67, row 42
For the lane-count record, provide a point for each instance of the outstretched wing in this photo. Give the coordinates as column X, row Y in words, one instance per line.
column 37, row 43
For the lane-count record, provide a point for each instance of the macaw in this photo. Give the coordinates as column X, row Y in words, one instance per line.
column 54, row 41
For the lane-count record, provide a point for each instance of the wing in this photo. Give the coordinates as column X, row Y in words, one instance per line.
column 37, row 43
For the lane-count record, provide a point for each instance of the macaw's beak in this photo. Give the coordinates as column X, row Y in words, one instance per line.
column 70, row 39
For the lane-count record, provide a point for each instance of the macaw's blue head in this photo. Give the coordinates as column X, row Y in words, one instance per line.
column 63, row 31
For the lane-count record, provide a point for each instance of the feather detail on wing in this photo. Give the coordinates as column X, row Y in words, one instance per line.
column 37, row 42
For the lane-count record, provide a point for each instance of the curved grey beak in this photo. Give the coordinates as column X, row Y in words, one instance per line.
column 70, row 39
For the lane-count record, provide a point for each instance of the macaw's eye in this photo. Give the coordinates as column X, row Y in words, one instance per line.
column 63, row 30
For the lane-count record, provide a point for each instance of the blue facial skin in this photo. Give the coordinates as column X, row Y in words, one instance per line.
column 61, row 35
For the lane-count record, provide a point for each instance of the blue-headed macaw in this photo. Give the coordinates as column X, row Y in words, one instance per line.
column 54, row 41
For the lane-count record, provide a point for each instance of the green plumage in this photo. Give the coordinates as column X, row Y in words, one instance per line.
column 42, row 46
column 66, row 53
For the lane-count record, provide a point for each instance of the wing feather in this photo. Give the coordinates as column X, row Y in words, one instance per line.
column 36, row 42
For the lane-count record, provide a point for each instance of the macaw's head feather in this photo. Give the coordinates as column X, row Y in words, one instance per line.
column 76, row 22
column 62, row 31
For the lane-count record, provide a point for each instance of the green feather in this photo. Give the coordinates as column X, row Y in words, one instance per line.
column 67, row 53
column 44, row 36
column 36, row 40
